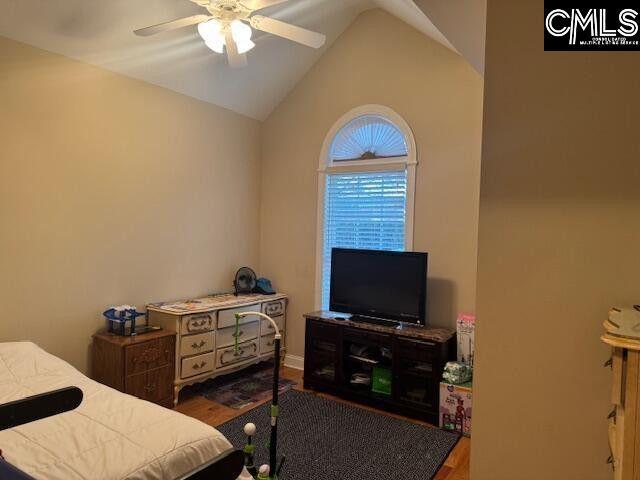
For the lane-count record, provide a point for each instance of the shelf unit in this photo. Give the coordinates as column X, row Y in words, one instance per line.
column 337, row 349
column 624, row 419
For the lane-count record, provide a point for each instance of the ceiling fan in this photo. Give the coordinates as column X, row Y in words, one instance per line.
column 227, row 26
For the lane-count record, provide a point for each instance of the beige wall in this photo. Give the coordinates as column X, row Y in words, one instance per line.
column 558, row 245
column 113, row 191
column 379, row 60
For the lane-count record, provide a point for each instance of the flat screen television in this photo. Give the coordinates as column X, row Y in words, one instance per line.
column 379, row 284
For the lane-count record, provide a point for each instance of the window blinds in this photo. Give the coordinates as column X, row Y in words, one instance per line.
column 363, row 210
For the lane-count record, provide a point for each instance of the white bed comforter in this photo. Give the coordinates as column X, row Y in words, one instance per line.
column 110, row 436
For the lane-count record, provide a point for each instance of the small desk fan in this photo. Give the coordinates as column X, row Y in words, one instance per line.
column 245, row 281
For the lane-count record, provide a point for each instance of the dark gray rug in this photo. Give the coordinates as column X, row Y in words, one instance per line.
column 328, row 440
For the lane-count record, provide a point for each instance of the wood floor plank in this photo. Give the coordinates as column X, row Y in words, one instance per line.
column 456, row 466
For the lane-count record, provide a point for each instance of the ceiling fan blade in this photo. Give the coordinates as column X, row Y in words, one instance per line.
column 235, row 59
column 172, row 25
column 288, row 31
column 260, row 4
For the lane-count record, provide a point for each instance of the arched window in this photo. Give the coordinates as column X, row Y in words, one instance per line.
column 366, row 187
column 368, row 137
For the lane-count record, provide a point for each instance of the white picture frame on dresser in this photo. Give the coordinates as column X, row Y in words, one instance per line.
column 206, row 334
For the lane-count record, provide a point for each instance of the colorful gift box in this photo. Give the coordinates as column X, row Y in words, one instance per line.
column 455, row 407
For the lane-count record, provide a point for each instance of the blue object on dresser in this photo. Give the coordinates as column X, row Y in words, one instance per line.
column 122, row 320
column 263, row 286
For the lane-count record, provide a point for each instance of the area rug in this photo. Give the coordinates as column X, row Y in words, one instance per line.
column 324, row 439
column 242, row 389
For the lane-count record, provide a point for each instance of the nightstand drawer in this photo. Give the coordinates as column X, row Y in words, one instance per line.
column 229, row 356
column 198, row 322
column 196, row 365
column 195, row 344
column 149, row 355
column 274, row 308
column 246, row 331
column 226, row 318
column 155, row 385
column 267, row 329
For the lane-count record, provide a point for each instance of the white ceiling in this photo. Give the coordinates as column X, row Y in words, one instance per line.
column 99, row 32
column 464, row 24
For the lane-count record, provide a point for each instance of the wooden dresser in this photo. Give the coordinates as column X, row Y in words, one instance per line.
column 141, row 365
column 206, row 334
column 624, row 419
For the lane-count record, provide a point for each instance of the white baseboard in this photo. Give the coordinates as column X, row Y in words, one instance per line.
column 294, row 361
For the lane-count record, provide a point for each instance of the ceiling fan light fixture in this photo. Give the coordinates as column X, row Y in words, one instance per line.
column 227, row 26
column 211, row 33
column 241, row 33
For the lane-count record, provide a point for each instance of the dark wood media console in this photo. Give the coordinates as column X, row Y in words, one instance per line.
column 339, row 351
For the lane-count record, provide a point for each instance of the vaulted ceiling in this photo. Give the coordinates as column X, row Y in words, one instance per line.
column 100, row 33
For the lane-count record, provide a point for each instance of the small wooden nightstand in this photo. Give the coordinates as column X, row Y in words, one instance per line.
column 142, row 365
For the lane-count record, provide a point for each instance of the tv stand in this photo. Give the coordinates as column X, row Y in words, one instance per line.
column 373, row 320
column 345, row 358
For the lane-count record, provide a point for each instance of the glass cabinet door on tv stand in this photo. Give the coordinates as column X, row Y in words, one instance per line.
column 321, row 361
column 416, row 373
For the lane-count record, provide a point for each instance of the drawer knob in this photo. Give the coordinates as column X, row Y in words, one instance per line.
column 150, row 388
column 238, row 334
column 197, row 366
column 198, row 345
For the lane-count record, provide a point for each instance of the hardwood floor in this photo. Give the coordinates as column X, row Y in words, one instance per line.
column 456, row 467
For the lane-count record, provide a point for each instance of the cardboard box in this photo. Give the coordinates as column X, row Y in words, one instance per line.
column 465, row 332
column 455, row 407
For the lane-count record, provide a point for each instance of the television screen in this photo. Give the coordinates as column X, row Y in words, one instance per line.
column 380, row 284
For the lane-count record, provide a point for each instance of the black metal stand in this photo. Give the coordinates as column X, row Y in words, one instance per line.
column 273, row 443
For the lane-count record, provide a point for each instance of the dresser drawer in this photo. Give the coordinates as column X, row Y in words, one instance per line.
column 246, row 331
column 267, row 329
column 366, row 336
column 154, row 385
column 228, row 356
column 195, row 344
column 193, row 366
column 274, row 308
column 267, row 344
column 198, row 322
column 226, row 318
column 149, row 355
column 617, row 370
column 613, row 440
column 419, row 350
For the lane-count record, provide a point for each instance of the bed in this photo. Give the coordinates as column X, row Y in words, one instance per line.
column 111, row 435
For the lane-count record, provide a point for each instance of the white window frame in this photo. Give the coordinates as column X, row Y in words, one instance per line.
column 327, row 166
